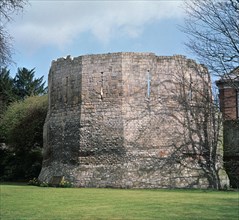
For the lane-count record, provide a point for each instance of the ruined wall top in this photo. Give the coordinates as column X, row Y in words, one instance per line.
column 117, row 54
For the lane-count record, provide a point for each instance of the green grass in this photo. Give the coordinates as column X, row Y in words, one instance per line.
column 23, row 202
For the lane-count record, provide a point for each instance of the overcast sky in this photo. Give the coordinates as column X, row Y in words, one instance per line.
column 49, row 29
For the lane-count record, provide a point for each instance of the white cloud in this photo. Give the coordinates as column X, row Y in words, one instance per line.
column 58, row 23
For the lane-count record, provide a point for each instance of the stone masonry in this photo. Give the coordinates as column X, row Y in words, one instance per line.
column 115, row 120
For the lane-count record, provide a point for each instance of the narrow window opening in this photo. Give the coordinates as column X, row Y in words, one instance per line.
column 237, row 104
column 148, row 84
column 66, row 92
column 190, row 93
column 102, row 84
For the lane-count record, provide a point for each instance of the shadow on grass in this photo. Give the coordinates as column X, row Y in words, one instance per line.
column 184, row 190
column 14, row 183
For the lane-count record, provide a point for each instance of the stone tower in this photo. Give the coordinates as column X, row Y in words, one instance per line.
column 118, row 120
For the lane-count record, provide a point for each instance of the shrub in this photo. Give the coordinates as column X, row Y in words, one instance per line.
column 21, row 128
column 63, row 184
column 34, row 182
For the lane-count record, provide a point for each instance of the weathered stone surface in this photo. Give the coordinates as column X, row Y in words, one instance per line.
column 114, row 121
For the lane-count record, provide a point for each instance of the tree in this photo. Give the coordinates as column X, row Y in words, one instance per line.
column 7, row 94
column 213, row 31
column 21, row 123
column 195, row 131
column 26, row 85
column 23, row 85
column 202, row 122
column 7, row 9
column 21, row 127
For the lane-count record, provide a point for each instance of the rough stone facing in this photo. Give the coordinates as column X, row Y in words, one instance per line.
column 111, row 122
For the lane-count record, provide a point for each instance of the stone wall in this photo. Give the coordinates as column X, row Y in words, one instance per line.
column 231, row 151
column 118, row 120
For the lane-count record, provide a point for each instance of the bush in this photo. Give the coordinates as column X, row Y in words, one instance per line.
column 63, row 184
column 21, row 128
column 34, row 182
column 22, row 123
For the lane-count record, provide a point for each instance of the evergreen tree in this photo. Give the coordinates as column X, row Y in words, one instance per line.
column 7, row 94
column 26, row 85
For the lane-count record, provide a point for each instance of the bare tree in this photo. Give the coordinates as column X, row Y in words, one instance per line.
column 201, row 121
column 213, row 31
column 7, row 9
column 193, row 138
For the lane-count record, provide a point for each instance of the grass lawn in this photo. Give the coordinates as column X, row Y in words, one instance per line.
column 23, row 202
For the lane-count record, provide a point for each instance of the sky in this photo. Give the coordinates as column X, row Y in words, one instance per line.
column 50, row 29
